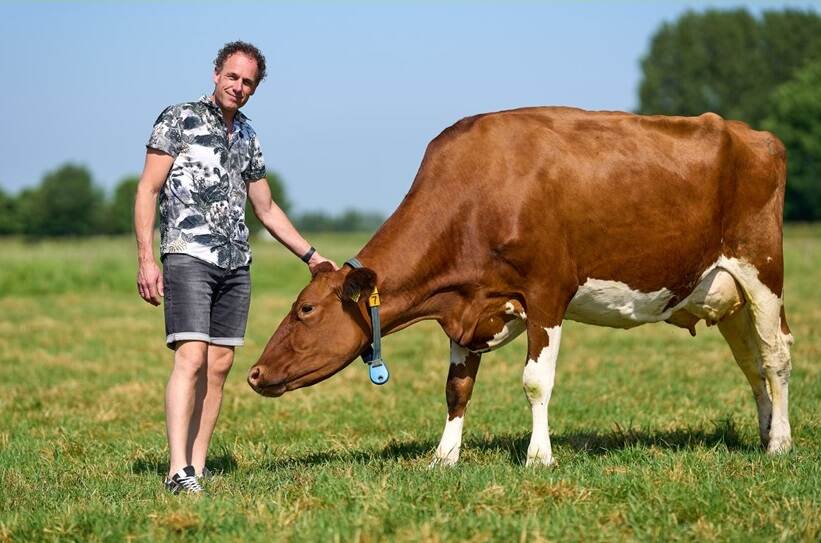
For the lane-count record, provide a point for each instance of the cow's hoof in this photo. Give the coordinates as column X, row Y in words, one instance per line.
column 540, row 461
column 779, row 445
column 443, row 461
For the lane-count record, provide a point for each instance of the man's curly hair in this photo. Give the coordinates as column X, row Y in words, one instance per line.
column 245, row 48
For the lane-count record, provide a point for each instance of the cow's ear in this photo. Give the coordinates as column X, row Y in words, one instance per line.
column 322, row 267
column 359, row 281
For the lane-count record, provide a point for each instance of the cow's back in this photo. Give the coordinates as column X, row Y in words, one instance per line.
column 647, row 200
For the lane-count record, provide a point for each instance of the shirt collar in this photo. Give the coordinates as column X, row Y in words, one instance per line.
column 209, row 102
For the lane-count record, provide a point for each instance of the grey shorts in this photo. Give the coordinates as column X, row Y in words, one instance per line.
column 204, row 302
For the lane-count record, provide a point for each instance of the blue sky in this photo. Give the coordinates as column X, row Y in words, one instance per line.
column 355, row 90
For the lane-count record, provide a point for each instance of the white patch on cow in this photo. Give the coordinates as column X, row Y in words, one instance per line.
column 615, row 304
column 766, row 305
column 773, row 346
column 458, row 354
column 510, row 310
column 508, row 332
column 447, row 453
column 537, row 381
column 715, row 297
column 787, row 338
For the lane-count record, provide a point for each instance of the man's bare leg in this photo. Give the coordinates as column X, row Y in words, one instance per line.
column 208, row 402
column 189, row 362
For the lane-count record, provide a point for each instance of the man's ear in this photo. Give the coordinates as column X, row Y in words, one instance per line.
column 322, row 267
column 359, row 281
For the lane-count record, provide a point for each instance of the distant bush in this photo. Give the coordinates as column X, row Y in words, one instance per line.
column 68, row 203
column 119, row 212
column 795, row 116
column 9, row 215
column 763, row 70
column 350, row 220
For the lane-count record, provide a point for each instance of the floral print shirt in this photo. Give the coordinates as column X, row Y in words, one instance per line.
column 202, row 204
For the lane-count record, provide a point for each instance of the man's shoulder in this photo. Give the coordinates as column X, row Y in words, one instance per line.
column 181, row 110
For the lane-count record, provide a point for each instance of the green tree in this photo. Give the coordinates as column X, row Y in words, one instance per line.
column 796, row 119
column 315, row 221
column 24, row 204
column 119, row 213
column 67, row 203
column 750, row 69
column 277, row 195
column 9, row 215
column 695, row 64
column 727, row 62
column 353, row 220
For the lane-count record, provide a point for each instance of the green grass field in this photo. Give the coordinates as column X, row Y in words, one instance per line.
column 654, row 431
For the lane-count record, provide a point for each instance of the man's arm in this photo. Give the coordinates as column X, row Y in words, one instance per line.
column 155, row 171
column 277, row 223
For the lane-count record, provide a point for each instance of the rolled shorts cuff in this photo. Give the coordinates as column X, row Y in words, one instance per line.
column 187, row 336
column 228, row 341
column 171, row 339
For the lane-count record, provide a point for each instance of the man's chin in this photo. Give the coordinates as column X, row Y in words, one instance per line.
column 228, row 104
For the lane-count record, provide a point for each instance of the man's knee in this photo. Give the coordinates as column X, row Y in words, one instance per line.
column 190, row 357
column 220, row 360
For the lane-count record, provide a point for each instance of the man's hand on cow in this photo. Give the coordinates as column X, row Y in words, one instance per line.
column 316, row 260
column 149, row 283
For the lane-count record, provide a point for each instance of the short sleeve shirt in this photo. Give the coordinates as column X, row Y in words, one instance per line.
column 202, row 204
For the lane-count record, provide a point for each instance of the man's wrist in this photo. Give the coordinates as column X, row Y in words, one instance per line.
column 308, row 254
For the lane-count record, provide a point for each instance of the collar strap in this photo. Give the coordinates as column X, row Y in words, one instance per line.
column 372, row 356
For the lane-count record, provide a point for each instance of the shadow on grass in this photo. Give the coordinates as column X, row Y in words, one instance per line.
column 724, row 433
column 395, row 450
column 221, row 461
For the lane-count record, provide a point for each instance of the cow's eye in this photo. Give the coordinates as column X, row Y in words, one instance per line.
column 306, row 308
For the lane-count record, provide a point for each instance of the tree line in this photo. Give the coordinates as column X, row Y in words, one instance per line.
column 67, row 202
column 763, row 70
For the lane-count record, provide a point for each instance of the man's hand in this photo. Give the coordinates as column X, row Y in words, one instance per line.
column 149, row 282
column 316, row 260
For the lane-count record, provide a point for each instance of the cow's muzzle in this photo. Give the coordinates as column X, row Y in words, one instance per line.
column 256, row 380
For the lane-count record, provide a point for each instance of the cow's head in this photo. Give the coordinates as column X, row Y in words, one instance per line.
column 326, row 329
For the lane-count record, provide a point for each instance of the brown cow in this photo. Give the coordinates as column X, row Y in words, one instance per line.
column 520, row 219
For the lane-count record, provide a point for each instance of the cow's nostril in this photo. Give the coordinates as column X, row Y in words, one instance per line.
column 253, row 376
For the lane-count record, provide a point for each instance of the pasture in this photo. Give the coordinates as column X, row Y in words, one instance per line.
column 654, row 431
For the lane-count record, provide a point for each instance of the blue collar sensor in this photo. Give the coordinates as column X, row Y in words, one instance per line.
column 372, row 356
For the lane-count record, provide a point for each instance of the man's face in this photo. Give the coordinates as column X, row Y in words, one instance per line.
column 236, row 82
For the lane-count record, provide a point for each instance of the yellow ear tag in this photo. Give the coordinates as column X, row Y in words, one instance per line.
column 355, row 296
column 373, row 299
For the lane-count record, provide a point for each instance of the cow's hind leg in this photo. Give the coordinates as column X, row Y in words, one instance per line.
column 739, row 332
column 760, row 341
column 774, row 342
column 464, row 365
column 537, row 381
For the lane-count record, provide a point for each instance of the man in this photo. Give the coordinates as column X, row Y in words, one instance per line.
column 202, row 159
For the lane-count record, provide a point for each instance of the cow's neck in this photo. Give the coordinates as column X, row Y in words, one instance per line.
column 415, row 267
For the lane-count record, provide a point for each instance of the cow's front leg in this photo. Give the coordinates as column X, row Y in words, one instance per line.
column 464, row 365
column 537, row 380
